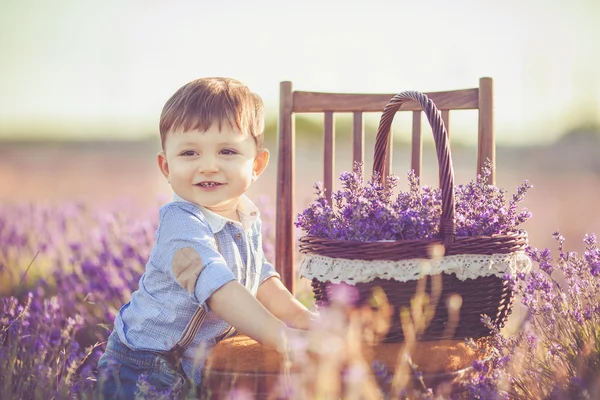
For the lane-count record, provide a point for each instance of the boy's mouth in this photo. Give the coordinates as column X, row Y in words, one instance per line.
column 208, row 184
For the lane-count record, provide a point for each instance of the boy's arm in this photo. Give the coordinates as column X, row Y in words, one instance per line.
column 189, row 250
column 281, row 303
column 236, row 305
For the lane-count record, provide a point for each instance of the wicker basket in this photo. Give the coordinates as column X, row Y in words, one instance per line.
column 489, row 295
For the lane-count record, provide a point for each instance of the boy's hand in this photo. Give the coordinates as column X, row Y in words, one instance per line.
column 295, row 345
column 304, row 320
column 281, row 303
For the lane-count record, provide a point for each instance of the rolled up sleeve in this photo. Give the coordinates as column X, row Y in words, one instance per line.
column 189, row 253
column 267, row 271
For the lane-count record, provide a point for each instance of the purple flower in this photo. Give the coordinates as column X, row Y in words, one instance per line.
column 368, row 211
column 555, row 353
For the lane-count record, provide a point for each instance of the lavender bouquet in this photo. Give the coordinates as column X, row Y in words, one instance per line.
column 369, row 212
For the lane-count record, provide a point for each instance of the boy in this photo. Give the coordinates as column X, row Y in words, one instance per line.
column 207, row 264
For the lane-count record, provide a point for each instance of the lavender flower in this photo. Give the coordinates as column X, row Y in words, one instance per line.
column 556, row 353
column 369, row 212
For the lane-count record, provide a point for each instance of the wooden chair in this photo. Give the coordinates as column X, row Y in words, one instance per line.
column 294, row 102
column 242, row 364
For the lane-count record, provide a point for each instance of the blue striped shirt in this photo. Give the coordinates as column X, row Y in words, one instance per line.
column 159, row 310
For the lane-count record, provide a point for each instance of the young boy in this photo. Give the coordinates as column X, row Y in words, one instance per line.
column 207, row 264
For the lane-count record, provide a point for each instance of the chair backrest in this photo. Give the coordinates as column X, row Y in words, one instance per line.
column 293, row 102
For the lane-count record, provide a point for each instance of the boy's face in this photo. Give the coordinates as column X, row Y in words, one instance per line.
column 213, row 168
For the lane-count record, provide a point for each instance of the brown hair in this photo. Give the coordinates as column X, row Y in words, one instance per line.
column 203, row 102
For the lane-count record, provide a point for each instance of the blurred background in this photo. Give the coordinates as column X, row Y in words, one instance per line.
column 82, row 85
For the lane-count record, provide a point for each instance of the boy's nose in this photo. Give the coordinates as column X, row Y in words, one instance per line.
column 208, row 164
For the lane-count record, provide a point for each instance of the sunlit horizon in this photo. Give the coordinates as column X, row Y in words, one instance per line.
column 73, row 70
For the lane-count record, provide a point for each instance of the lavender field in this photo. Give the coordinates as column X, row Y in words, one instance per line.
column 77, row 223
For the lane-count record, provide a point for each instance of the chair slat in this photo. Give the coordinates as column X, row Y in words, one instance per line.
column 466, row 99
column 329, row 154
column 486, row 147
column 416, row 154
column 284, row 221
column 358, row 137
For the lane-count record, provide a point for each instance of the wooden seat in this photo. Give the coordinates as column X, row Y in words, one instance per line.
column 432, row 357
column 240, row 364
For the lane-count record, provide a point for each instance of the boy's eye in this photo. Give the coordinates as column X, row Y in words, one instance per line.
column 228, row 152
column 188, row 153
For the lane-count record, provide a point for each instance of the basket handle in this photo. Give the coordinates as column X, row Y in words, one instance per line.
column 440, row 135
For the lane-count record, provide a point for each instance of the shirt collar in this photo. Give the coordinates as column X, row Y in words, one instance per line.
column 247, row 211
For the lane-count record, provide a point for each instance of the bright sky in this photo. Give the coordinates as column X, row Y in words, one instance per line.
column 84, row 68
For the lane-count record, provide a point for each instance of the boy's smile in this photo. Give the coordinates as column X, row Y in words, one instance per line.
column 213, row 168
column 209, row 185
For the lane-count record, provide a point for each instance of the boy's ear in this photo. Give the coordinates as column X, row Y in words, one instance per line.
column 260, row 163
column 163, row 164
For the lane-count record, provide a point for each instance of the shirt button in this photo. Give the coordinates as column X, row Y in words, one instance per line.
column 238, row 236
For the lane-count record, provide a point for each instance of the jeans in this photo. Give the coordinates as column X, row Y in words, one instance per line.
column 120, row 368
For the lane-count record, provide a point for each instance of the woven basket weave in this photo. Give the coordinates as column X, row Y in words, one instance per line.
column 489, row 295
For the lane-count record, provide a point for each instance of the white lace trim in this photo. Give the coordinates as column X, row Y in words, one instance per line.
column 464, row 266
